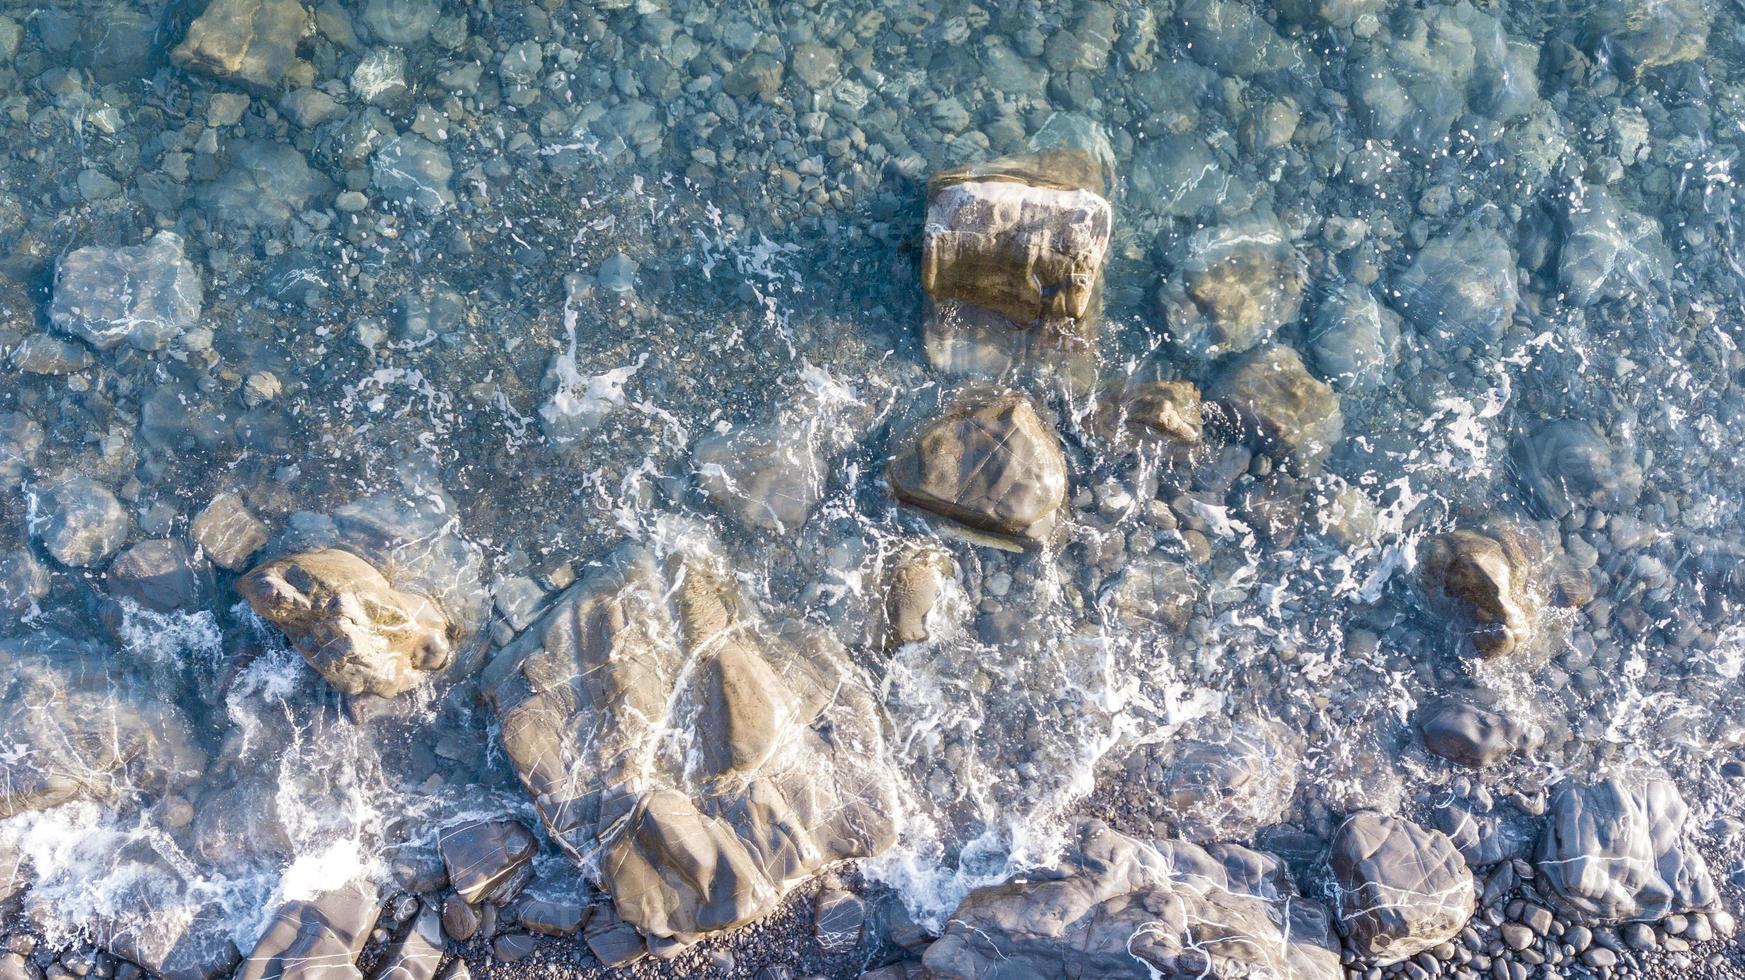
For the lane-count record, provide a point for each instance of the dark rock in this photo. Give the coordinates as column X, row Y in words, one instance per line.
column 1473, row 734
column 417, row 953
column 316, row 940
column 1617, row 850
column 514, row 947
column 1402, row 889
column 459, row 919
column 488, row 861
column 43, row 354
column 161, row 575
column 613, row 941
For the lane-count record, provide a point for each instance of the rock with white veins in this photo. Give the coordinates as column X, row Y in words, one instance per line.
column 144, row 295
column 317, row 939
column 1617, row 850
column 1401, row 888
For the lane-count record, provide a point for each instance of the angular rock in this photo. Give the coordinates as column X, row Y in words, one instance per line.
column 1228, row 789
column 613, row 941
column 145, row 295
column 161, row 575
column 1154, row 592
column 1616, row 850
column 265, row 184
column 418, row 952
column 404, row 22
column 1483, row 583
column 1401, row 888
column 488, row 861
column 1283, row 406
column 415, row 172
column 1567, row 463
column 50, row 355
column 1474, row 735
column 227, row 532
column 1648, row 34
column 781, row 768
column 1115, row 907
column 1461, row 288
column 20, row 439
column 247, row 41
column 23, row 581
column 914, row 584
column 1167, row 412
column 1234, row 38
column 1485, row 835
column 1355, row 340
column 761, row 475
column 318, row 939
column 986, row 461
column 79, row 521
column 1610, row 251
column 1233, row 287
column 363, row 635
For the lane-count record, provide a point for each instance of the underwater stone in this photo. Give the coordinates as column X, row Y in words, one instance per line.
column 914, row 584
column 1114, row 907
column 415, row 172
column 362, row 634
column 987, row 461
column 1230, row 788
column 763, row 475
column 1233, row 287
column 783, row 769
column 1567, row 463
column 80, row 522
column 1461, row 287
column 23, row 581
column 1167, row 412
column 1648, row 34
column 1483, row 584
column 1474, row 735
column 20, row 438
column 266, row 184
column 144, row 294
column 1283, row 406
column 401, row 21
column 1609, row 251
column 227, row 532
column 162, row 575
column 1355, row 340
column 318, row 939
column 247, row 41
column 1153, row 592
column 488, row 861
column 1616, row 850
column 1401, row 888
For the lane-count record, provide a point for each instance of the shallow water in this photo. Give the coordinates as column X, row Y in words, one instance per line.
column 488, row 291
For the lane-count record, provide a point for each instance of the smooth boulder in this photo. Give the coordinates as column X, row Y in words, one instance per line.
column 363, row 635
column 145, row 295
column 1401, row 888
column 79, row 521
column 1474, row 735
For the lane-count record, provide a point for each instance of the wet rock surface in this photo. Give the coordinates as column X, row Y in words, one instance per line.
column 1402, row 888
column 1287, row 409
column 1483, row 583
column 144, row 295
column 1618, row 850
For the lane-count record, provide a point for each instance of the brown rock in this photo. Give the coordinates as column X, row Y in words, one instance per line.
column 248, row 41
column 1483, row 585
column 1287, row 409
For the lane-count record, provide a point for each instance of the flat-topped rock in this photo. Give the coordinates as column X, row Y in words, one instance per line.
column 144, row 295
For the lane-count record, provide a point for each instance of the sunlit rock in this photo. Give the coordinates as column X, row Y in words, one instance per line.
column 1401, row 888
column 1610, row 251
column 1567, row 463
column 227, row 532
column 1460, row 288
column 1647, row 34
column 247, row 41
column 144, row 295
column 1616, row 850
column 987, row 461
column 1285, row 408
column 706, row 759
column 358, row 631
column 317, row 939
column 1167, row 412
column 1484, row 584
column 80, row 522
column 1117, row 907
column 1232, row 288
column 915, row 581
column 1473, row 734
column 488, row 861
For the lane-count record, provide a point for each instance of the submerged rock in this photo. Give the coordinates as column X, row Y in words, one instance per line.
column 1460, row 288
column 79, row 522
column 362, row 634
column 162, row 575
column 145, row 295
column 1401, row 888
column 1233, row 287
column 1230, row 788
column 1285, row 408
column 1166, row 412
column 1610, row 251
column 318, row 939
column 1647, row 34
column 1616, row 850
column 1567, row 463
column 761, row 475
column 1355, row 340
column 1116, row 907
column 914, row 584
column 987, row 461
column 414, row 172
column 1473, row 734
column 247, row 41
column 227, row 532
column 709, row 759
column 1483, row 583
column 1153, row 592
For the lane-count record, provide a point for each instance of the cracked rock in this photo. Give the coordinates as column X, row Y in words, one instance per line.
column 144, row 295
column 1616, row 850
column 318, row 939
column 1401, row 888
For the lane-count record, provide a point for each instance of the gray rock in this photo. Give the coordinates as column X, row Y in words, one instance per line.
column 49, row 355
column 1233, row 39
column 415, row 172
column 915, row 581
column 417, row 953
column 1281, row 405
column 23, row 582
column 1484, row 835
column 1152, row 592
column 20, row 438
column 1354, row 339
column 987, row 461
column 401, row 21
column 380, row 78
column 1617, row 850
column 1230, row 788
column 816, row 66
column 839, row 920
column 162, row 575
column 1484, row 584
column 309, row 107
column 1474, row 735
column 265, row 185
column 1115, row 907
column 1401, row 888
column 766, row 477
column 145, row 295
column 316, row 940
column 1156, row 412
column 1178, row 176
column 613, row 941
column 359, row 632
column 552, row 916
column 488, row 861
column 460, row 920
column 1567, row 463
column 1461, row 288
column 1234, row 285
column 79, row 521
column 1647, row 34
column 227, row 532
column 642, row 653
column 247, row 41
column 1610, row 251
column 10, row 32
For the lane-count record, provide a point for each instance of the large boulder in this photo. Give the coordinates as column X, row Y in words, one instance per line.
column 488, row 860
column 1226, row 789
column 248, row 41
column 1401, row 888
column 1610, row 251
column 1483, row 583
column 79, row 521
column 1286, row 409
column 987, row 461
column 1116, row 907
column 1233, row 287
column 1469, row 733
column 1616, row 850
column 145, row 295
column 1647, row 34
column 708, row 759
column 361, row 633
column 317, row 939
column 1461, row 288
column 1354, row 339
column 162, row 575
